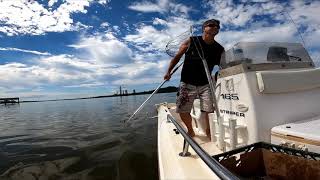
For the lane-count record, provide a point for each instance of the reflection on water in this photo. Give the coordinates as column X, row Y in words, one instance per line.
column 87, row 134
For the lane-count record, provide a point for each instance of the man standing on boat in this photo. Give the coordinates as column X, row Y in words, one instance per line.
column 194, row 81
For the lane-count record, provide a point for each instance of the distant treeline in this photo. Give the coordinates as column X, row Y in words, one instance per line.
column 168, row 89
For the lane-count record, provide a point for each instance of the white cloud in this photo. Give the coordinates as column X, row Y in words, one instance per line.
column 147, row 38
column 32, row 81
column 103, row 2
column 158, row 21
column 116, row 29
column 279, row 33
column 106, row 49
column 232, row 13
column 105, row 24
column 51, row 2
column 25, row 50
column 143, row 80
column 306, row 15
column 267, row 21
column 70, row 72
column 16, row 76
column 305, row 12
column 86, row 85
column 54, row 70
column 147, row 7
column 138, row 70
column 101, row 68
column 24, row 17
column 160, row 6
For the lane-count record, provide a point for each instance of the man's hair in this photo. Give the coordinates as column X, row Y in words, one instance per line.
column 211, row 21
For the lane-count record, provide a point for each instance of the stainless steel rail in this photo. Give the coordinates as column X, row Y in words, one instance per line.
column 213, row 164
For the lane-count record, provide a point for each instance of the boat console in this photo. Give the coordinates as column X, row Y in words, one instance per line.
column 261, row 86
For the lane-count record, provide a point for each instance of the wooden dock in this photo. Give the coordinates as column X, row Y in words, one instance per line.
column 6, row 101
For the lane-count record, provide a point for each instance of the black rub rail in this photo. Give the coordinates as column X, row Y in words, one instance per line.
column 270, row 147
column 213, row 164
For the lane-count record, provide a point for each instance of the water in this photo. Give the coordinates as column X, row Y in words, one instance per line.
column 90, row 131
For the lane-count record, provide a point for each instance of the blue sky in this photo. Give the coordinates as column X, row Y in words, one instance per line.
column 77, row 48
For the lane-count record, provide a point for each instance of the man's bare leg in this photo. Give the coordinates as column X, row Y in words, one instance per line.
column 186, row 118
column 207, row 125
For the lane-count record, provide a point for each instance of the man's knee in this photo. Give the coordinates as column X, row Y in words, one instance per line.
column 185, row 115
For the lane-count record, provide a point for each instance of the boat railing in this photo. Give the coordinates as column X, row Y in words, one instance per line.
column 213, row 164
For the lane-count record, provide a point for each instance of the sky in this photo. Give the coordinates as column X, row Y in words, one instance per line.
column 77, row 48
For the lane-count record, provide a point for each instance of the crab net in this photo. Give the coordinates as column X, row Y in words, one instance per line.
column 173, row 45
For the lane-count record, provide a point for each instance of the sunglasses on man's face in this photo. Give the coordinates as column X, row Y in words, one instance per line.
column 213, row 25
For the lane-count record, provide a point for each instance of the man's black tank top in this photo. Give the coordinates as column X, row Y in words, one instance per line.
column 193, row 71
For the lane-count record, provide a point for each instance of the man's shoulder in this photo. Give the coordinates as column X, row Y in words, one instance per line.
column 219, row 46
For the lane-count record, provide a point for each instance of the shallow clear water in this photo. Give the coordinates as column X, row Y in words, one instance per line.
column 90, row 129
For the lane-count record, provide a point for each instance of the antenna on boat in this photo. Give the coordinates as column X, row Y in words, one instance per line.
column 303, row 42
column 171, row 49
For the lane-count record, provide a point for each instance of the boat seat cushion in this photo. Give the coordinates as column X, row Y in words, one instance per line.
column 304, row 129
column 288, row 81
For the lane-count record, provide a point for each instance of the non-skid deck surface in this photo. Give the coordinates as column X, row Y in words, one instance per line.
column 203, row 141
column 170, row 145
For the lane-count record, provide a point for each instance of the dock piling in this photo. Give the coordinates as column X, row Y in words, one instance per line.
column 6, row 101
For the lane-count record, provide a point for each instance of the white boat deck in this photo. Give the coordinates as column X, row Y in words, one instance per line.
column 203, row 141
column 170, row 144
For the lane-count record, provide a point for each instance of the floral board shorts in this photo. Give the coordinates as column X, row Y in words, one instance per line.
column 187, row 94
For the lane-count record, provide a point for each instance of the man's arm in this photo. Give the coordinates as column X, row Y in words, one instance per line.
column 223, row 63
column 183, row 48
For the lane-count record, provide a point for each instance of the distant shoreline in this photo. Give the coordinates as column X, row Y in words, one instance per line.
column 168, row 89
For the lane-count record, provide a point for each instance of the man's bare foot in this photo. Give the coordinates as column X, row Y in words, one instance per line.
column 191, row 133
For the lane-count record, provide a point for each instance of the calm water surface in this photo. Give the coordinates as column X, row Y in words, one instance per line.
column 91, row 130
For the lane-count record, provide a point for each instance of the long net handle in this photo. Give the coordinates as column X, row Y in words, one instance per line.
column 154, row 92
column 211, row 84
column 171, row 50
